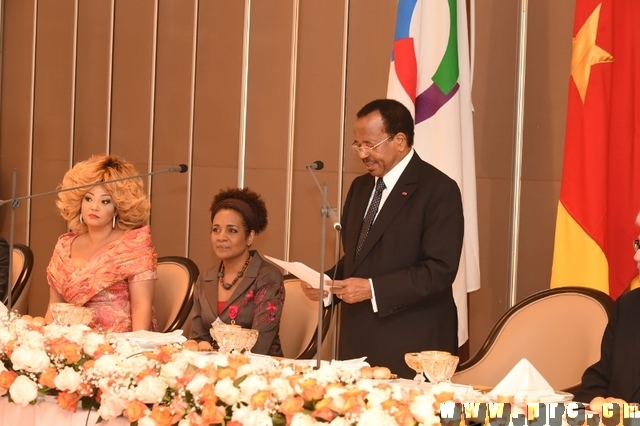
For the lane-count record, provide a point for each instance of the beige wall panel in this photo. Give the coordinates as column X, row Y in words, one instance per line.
column 269, row 184
column 52, row 138
column 494, row 89
column 93, row 78
column 15, row 123
column 548, row 68
column 537, row 231
column 173, row 122
column 133, row 72
column 218, row 80
column 488, row 304
column 306, row 225
column 268, row 86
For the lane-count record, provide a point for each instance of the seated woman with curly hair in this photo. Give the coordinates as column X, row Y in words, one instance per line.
column 243, row 288
column 107, row 262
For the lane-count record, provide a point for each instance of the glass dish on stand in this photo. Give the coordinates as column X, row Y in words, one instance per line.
column 413, row 360
column 68, row 314
column 438, row 366
column 233, row 338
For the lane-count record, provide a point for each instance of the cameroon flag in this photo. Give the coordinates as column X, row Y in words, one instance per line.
column 600, row 191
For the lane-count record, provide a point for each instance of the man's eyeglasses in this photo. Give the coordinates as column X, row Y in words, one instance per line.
column 636, row 244
column 366, row 150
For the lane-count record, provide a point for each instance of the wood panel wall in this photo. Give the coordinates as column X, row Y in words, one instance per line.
column 247, row 92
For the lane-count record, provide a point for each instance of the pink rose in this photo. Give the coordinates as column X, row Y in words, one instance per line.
column 233, row 312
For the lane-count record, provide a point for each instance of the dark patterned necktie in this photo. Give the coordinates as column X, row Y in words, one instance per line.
column 371, row 214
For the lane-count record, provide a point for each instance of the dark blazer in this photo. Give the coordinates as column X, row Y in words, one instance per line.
column 259, row 296
column 617, row 374
column 412, row 254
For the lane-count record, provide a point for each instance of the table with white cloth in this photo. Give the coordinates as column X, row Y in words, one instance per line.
column 47, row 412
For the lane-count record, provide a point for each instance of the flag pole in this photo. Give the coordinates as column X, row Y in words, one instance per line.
column 517, row 155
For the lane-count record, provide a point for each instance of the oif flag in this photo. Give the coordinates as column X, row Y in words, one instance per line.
column 600, row 192
column 430, row 74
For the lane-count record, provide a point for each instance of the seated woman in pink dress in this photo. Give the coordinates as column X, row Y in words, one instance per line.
column 107, row 262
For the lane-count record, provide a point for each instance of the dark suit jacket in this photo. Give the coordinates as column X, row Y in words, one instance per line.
column 259, row 296
column 617, row 373
column 412, row 254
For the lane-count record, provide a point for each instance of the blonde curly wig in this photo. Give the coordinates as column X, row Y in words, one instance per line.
column 129, row 197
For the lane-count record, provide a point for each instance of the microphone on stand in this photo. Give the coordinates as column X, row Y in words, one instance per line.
column 15, row 202
column 331, row 213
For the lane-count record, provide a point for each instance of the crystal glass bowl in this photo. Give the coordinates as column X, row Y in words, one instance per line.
column 233, row 338
column 68, row 314
column 438, row 366
column 413, row 360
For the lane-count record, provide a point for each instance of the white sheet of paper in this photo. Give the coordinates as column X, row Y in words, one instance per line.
column 3, row 309
column 305, row 273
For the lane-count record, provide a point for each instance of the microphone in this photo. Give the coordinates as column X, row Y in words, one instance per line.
column 180, row 168
column 335, row 222
column 316, row 165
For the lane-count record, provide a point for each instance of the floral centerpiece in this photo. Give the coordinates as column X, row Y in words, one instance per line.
column 174, row 386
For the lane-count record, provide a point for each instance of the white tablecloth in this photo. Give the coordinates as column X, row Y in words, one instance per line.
column 49, row 414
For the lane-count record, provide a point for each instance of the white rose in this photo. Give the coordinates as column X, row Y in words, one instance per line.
column 76, row 332
column 197, row 383
column 110, row 408
column 281, row 388
column 172, row 371
column 227, row 392
column 376, row 417
column 339, row 421
column 68, row 380
column 146, row 421
column 151, row 389
column 246, row 416
column 28, row 359
column 250, row 386
column 301, row 419
column 422, row 408
column 23, row 390
column 91, row 343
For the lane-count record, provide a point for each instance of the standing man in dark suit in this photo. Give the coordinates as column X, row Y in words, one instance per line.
column 402, row 231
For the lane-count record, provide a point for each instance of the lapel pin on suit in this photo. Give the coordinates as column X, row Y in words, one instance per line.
column 404, row 193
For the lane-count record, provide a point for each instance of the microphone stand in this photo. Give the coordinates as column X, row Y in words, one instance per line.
column 325, row 212
column 15, row 203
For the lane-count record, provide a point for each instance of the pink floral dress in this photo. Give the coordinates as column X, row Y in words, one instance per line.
column 102, row 283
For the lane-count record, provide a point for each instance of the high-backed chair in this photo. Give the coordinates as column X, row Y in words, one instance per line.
column 558, row 330
column 173, row 296
column 299, row 322
column 22, row 265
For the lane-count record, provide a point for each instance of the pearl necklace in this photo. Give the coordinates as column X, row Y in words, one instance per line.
column 227, row 286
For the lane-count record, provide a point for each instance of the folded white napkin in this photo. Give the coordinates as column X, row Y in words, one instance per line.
column 155, row 338
column 352, row 364
column 523, row 381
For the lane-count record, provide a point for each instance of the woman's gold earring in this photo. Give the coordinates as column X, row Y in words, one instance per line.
column 113, row 223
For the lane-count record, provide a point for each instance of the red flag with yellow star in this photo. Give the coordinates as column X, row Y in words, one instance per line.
column 600, row 192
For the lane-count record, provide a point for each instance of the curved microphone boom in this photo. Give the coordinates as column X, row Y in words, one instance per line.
column 180, row 168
